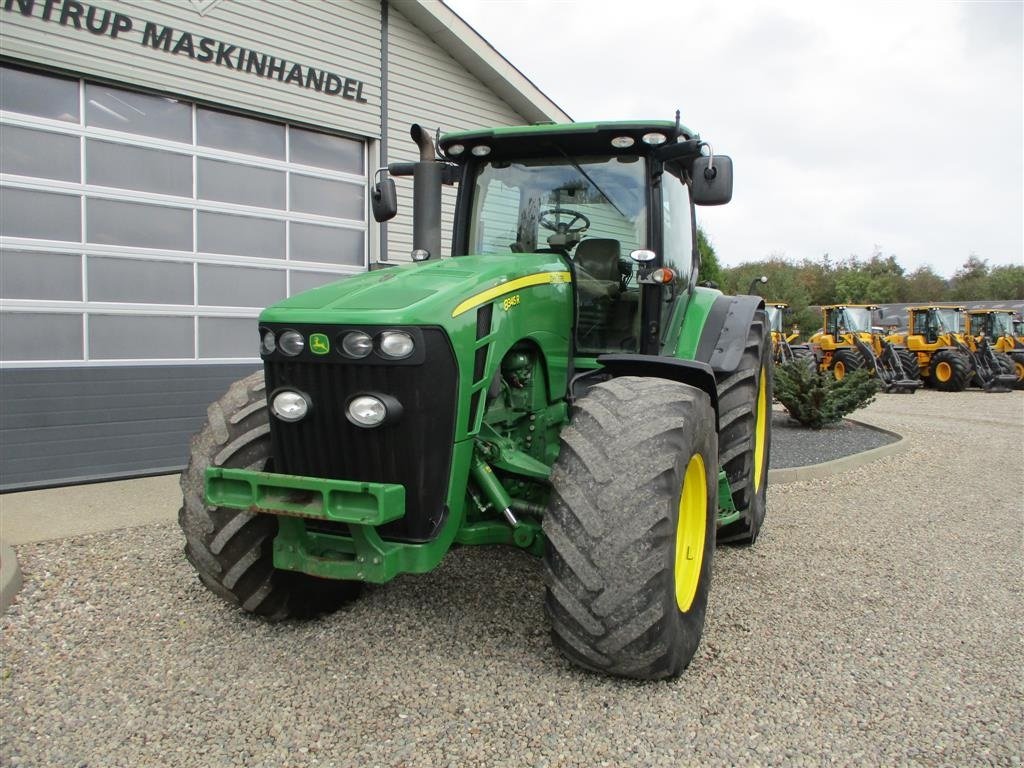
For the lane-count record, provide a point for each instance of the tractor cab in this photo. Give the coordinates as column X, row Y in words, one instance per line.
column 992, row 323
column 614, row 201
column 781, row 341
column 775, row 316
column 936, row 324
column 841, row 320
column 592, row 212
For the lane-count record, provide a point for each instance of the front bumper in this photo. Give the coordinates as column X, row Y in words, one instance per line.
column 339, row 501
column 300, row 502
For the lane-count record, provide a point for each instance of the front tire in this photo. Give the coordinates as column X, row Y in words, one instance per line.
column 1017, row 360
column 909, row 362
column 631, row 528
column 845, row 362
column 232, row 549
column 950, row 371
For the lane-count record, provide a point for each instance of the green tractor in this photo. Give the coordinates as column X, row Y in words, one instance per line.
column 561, row 385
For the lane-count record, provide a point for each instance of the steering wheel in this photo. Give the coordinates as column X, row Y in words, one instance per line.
column 563, row 227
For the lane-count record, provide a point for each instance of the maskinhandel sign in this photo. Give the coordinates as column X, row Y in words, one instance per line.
column 119, row 26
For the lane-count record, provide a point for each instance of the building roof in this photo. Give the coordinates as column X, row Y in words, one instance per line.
column 468, row 47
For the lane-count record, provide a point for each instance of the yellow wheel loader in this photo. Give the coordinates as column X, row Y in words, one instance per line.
column 781, row 341
column 936, row 335
column 995, row 328
column 847, row 342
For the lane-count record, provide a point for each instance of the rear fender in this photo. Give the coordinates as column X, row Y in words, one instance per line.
column 724, row 335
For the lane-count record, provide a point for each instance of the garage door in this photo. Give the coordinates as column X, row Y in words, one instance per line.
column 141, row 231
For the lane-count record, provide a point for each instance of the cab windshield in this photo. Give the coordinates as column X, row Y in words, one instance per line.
column 553, row 204
column 949, row 320
column 775, row 318
column 593, row 211
column 851, row 319
column 998, row 324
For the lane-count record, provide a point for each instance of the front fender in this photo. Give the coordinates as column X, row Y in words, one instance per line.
column 694, row 373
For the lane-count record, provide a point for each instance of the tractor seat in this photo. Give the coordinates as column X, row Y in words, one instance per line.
column 597, row 267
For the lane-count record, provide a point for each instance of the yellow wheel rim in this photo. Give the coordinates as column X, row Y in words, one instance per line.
column 1018, row 368
column 839, row 370
column 690, row 531
column 943, row 371
column 760, row 431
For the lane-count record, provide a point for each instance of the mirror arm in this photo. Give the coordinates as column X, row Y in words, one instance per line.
column 680, row 151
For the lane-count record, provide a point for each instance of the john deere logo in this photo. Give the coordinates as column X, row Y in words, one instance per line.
column 319, row 344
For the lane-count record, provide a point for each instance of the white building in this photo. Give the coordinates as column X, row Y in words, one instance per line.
column 170, row 167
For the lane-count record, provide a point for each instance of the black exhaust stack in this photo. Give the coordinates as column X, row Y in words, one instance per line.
column 427, row 178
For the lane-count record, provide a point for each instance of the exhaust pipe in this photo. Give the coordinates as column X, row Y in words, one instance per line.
column 423, row 141
column 426, row 206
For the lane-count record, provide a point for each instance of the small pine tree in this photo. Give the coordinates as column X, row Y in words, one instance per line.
column 815, row 398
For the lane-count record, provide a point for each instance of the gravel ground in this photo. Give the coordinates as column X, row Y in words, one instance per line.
column 878, row 621
column 796, row 446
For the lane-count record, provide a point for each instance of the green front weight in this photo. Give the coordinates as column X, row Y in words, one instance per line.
column 341, row 501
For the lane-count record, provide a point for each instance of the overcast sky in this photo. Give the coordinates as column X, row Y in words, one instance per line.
column 851, row 125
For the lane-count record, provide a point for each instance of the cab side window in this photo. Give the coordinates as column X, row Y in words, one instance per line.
column 677, row 222
column 677, row 244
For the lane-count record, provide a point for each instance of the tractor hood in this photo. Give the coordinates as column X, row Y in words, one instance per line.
column 431, row 292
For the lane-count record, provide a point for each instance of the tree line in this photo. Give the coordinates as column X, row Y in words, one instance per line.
column 878, row 279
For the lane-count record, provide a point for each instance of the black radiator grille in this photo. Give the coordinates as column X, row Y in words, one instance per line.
column 415, row 451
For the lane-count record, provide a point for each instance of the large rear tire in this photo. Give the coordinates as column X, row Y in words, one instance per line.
column 631, row 528
column 745, row 432
column 232, row 549
column 949, row 371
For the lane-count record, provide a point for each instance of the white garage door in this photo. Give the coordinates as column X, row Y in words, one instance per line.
column 137, row 228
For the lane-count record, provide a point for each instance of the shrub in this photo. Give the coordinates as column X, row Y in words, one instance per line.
column 816, row 399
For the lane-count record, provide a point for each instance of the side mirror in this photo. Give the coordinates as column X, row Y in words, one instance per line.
column 712, row 180
column 384, row 200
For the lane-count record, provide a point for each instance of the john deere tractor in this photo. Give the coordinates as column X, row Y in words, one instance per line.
column 995, row 328
column 561, row 385
column 847, row 342
column 781, row 341
column 948, row 358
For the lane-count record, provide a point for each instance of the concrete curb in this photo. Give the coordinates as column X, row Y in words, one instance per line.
column 842, row 464
column 10, row 576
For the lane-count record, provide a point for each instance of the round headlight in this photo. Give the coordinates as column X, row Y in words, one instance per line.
column 291, row 343
column 289, row 406
column 366, row 411
column 268, row 344
column 420, row 254
column 357, row 344
column 396, row 344
column 623, row 142
column 481, row 150
column 456, row 149
column 654, row 139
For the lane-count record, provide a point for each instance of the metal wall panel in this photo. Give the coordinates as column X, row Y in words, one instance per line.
column 338, row 36
column 427, row 86
column 61, row 425
column 73, row 422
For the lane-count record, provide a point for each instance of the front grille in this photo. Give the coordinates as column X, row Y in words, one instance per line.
column 415, row 451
